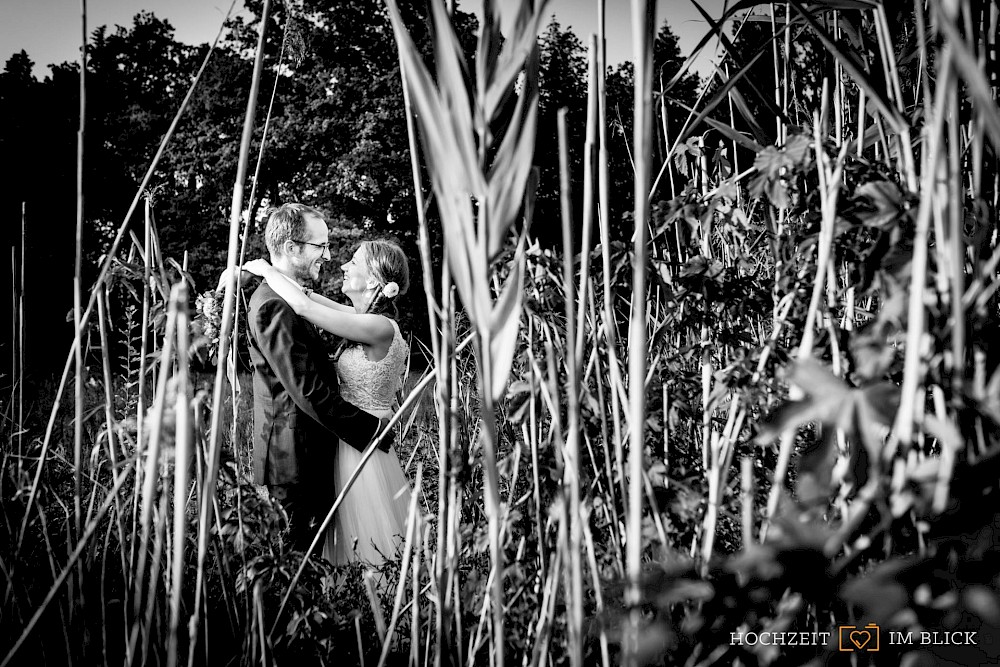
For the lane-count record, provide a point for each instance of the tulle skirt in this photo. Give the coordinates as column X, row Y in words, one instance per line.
column 370, row 524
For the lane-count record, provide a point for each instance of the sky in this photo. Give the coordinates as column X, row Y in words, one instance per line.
column 50, row 30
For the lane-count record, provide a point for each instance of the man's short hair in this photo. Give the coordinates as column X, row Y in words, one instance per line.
column 287, row 223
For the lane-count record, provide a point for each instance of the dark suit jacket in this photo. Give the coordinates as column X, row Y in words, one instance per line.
column 298, row 411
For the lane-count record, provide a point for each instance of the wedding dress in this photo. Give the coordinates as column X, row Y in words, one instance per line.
column 371, row 520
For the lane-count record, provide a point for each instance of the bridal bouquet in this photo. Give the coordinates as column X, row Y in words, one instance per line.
column 207, row 323
column 208, row 311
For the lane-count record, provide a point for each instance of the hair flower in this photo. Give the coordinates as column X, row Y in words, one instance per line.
column 390, row 290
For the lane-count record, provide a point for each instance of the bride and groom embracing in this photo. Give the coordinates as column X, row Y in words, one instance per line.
column 312, row 415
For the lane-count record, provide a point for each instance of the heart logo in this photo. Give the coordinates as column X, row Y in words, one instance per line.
column 860, row 638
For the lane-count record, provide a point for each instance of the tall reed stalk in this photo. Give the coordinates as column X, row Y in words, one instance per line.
column 573, row 465
column 19, row 319
column 182, row 462
column 604, row 208
column 78, row 279
column 225, row 336
column 643, row 16
column 478, row 199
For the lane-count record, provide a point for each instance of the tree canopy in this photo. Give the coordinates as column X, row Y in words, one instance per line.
column 336, row 138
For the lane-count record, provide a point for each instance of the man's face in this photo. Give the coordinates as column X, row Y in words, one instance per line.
column 311, row 250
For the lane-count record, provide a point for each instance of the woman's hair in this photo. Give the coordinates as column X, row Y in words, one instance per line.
column 387, row 263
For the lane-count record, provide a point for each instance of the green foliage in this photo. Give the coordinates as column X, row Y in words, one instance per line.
column 775, row 167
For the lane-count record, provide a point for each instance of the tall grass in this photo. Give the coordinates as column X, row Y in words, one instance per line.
column 809, row 387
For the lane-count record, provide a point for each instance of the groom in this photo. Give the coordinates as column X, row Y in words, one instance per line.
column 298, row 413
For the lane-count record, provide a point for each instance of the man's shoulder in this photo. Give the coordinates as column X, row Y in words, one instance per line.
column 266, row 300
column 263, row 294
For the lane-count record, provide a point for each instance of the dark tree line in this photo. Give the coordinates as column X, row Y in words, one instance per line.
column 337, row 139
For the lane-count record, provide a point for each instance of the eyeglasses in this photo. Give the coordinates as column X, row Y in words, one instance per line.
column 325, row 247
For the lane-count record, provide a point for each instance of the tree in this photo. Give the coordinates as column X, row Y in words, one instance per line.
column 667, row 62
column 562, row 84
column 337, row 136
column 680, row 97
column 135, row 79
column 38, row 142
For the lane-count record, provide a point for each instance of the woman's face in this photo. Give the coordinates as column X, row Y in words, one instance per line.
column 357, row 278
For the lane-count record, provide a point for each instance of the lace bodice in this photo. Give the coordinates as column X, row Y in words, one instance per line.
column 372, row 385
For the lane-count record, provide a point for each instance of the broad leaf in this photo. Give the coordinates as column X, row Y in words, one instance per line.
column 512, row 54
column 505, row 322
column 509, row 173
column 887, row 199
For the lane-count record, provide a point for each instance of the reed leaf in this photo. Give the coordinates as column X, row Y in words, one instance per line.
column 727, row 131
column 508, row 174
column 741, row 105
column 720, row 95
column 451, row 77
column 448, row 143
column 505, row 321
column 499, row 77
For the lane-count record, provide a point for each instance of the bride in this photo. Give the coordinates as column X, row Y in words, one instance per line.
column 370, row 362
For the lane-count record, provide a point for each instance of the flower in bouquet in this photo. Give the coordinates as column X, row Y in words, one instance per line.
column 208, row 312
column 208, row 323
